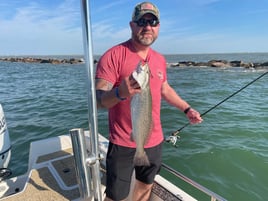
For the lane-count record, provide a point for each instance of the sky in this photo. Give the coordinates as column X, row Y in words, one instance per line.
column 54, row 27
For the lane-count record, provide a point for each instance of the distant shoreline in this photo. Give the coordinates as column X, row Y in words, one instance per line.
column 43, row 60
column 210, row 63
column 220, row 63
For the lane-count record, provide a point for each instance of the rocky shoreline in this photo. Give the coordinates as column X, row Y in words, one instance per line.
column 43, row 60
column 220, row 64
column 211, row 63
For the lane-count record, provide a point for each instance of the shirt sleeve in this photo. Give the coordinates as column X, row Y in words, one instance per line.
column 107, row 67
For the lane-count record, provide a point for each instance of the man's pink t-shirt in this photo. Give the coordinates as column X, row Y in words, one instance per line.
column 116, row 64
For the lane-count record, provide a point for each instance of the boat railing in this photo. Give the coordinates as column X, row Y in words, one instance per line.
column 82, row 169
column 93, row 159
column 213, row 196
column 86, row 167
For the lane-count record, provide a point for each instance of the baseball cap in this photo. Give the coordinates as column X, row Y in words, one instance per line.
column 144, row 8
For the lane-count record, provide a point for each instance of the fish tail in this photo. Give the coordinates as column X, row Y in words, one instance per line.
column 141, row 159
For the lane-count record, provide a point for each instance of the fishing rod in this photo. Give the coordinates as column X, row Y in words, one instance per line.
column 174, row 136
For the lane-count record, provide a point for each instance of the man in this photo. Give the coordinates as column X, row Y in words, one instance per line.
column 114, row 88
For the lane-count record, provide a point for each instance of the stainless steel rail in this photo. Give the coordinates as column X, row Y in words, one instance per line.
column 82, row 169
column 92, row 106
column 212, row 195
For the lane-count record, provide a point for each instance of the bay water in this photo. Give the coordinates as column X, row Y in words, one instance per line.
column 227, row 153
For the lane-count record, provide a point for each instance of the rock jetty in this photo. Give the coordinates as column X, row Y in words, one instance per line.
column 219, row 64
column 211, row 63
column 43, row 60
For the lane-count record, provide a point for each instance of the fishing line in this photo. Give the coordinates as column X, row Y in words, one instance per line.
column 173, row 138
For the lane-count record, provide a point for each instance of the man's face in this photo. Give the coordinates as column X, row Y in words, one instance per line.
column 145, row 31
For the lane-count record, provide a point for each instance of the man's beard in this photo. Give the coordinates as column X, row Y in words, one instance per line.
column 144, row 40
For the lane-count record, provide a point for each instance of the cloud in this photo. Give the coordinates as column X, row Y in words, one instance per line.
column 106, row 35
column 36, row 29
column 111, row 5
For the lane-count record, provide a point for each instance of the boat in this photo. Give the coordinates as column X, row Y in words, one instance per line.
column 73, row 167
column 5, row 145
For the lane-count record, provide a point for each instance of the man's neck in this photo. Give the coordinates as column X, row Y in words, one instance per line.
column 141, row 50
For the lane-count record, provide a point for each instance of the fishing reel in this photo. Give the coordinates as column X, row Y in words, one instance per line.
column 4, row 173
column 173, row 138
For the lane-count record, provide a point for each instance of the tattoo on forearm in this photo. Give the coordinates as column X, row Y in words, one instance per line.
column 98, row 97
column 101, row 88
column 109, row 86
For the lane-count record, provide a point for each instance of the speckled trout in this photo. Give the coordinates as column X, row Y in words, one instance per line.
column 141, row 114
